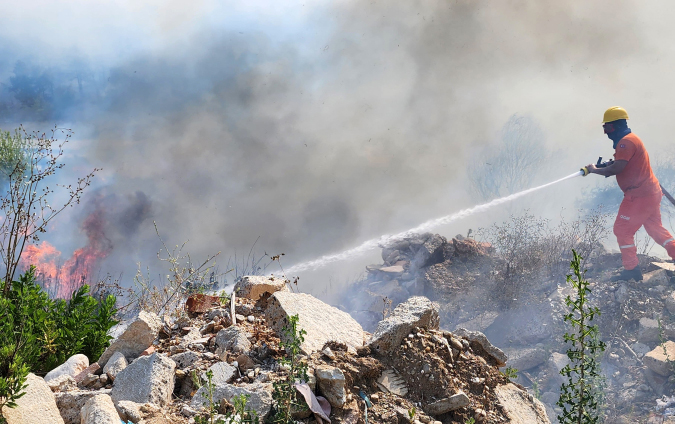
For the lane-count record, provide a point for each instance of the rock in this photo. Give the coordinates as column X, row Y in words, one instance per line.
column 71, row 403
column 518, row 407
column 223, row 373
column 62, row 383
column 659, row 361
column 670, row 303
column 137, row 337
column 479, row 338
column 254, row 286
column 417, row 311
column 430, row 253
column 640, row 349
column 88, row 380
column 481, row 322
column 245, row 362
column 648, row 331
column 656, row 278
column 72, row 367
column 94, row 368
column 331, row 382
column 147, row 379
column 99, row 409
column 185, row 359
column 524, row 359
column 129, row 411
column 233, row 339
column 440, row 407
column 37, row 406
column 657, row 382
column 115, row 365
column 394, row 269
column 218, row 312
column 260, row 396
column 321, row 321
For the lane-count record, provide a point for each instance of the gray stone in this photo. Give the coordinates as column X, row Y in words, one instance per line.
column 129, row 411
column 670, row 302
column 260, row 396
column 37, row 406
column 72, row 367
column 524, row 359
column 137, row 337
column 223, row 373
column 440, row 407
column 535, row 325
column 99, row 409
column 519, row 406
column 71, row 403
column 480, row 338
column 115, row 365
column 556, row 362
column 185, row 359
column 331, row 382
column 417, row 311
column 233, row 339
column 648, row 331
column 88, row 380
column 659, row 361
column 655, row 278
column 640, row 349
column 254, row 286
column 147, row 379
column 321, row 321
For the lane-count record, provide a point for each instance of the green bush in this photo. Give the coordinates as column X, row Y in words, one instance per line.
column 38, row 333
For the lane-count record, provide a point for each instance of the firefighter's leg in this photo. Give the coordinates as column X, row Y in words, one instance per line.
column 628, row 221
column 656, row 230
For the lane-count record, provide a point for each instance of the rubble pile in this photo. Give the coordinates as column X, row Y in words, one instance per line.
column 408, row 371
column 637, row 320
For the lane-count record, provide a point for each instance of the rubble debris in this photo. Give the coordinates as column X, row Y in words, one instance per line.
column 135, row 339
column 115, row 365
column 233, row 338
column 70, row 403
column 73, row 366
column 331, row 383
column 519, row 406
column 660, row 359
column 415, row 312
column 445, row 405
column 200, row 303
column 322, row 322
column 479, row 338
column 147, row 379
column 254, row 286
column 37, row 406
column 99, row 409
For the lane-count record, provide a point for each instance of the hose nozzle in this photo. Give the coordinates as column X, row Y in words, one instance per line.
column 584, row 171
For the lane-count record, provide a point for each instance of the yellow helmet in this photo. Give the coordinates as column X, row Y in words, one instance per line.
column 614, row 113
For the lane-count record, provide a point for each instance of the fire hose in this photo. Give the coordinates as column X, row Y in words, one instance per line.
column 600, row 164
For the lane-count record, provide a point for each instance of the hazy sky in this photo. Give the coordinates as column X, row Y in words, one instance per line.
column 314, row 125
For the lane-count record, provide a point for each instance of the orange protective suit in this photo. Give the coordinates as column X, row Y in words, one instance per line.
column 641, row 204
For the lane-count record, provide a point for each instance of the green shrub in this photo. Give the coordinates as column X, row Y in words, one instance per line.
column 38, row 333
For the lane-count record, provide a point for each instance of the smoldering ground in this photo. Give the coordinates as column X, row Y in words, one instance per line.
column 316, row 126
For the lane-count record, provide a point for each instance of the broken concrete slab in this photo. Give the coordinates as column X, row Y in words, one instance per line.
column 661, row 359
column 99, row 409
column 331, row 382
column 149, row 379
column 37, row 406
column 233, row 339
column 322, row 322
column 519, row 406
column 254, row 286
column 390, row 381
column 417, row 311
column 524, row 359
column 135, row 339
column 452, row 403
column 71, row 403
column 115, row 365
column 223, row 373
column 480, row 338
column 260, row 398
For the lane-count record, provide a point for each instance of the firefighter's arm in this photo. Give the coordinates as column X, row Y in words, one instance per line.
column 613, row 169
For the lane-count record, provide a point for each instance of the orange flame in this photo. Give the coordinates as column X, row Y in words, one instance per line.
column 62, row 280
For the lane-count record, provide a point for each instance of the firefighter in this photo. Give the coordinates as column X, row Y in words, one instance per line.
column 641, row 203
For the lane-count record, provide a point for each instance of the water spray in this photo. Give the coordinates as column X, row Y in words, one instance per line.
column 387, row 240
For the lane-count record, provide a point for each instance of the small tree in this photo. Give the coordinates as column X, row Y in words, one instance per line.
column 25, row 208
column 579, row 396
